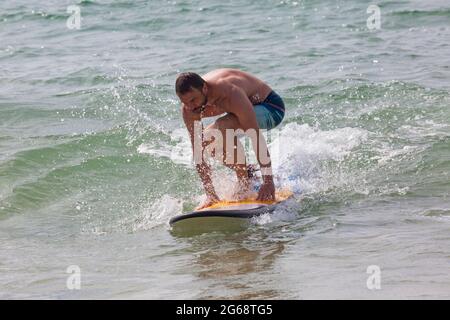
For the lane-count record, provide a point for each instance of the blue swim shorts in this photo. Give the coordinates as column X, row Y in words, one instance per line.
column 270, row 112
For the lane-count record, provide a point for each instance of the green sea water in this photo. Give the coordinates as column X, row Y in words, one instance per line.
column 94, row 157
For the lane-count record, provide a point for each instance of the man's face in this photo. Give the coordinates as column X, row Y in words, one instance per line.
column 194, row 99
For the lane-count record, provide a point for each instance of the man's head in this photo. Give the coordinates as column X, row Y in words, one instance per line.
column 192, row 90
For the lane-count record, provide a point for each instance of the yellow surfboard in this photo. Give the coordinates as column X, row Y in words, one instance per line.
column 226, row 215
column 280, row 196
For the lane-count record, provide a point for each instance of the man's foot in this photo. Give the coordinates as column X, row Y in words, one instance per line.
column 266, row 192
column 207, row 203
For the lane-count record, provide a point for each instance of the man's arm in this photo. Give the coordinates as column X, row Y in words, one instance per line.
column 241, row 107
column 191, row 120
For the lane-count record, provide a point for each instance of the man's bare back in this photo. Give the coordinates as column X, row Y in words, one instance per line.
column 223, row 79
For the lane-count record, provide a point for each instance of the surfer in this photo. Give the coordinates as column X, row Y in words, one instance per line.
column 248, row 104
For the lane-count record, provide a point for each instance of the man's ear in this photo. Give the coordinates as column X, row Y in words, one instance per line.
column 205, row 89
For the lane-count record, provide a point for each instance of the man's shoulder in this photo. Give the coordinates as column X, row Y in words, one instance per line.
column 225, row 85
column 222, row 74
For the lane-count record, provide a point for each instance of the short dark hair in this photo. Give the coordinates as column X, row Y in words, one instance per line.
column 188, row 80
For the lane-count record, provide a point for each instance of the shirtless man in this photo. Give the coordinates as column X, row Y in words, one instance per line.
column 248, row 102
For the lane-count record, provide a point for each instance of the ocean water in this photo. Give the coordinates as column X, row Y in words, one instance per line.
column 94, row 158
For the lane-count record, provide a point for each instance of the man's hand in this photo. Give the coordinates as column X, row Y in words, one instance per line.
column 267, row 191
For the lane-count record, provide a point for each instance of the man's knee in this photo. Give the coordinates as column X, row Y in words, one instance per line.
column 220, row 139
column 229, row 121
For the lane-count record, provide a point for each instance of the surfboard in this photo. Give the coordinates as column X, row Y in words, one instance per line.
column 226, row 215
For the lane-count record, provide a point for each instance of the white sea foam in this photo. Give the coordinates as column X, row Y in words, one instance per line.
column 179, row 150
column 299, row 151
column 296, row 152
column 157, row 213
column 284, row 212
column 423, row 128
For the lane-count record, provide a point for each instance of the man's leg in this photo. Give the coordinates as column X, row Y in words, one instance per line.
column 235, row 161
